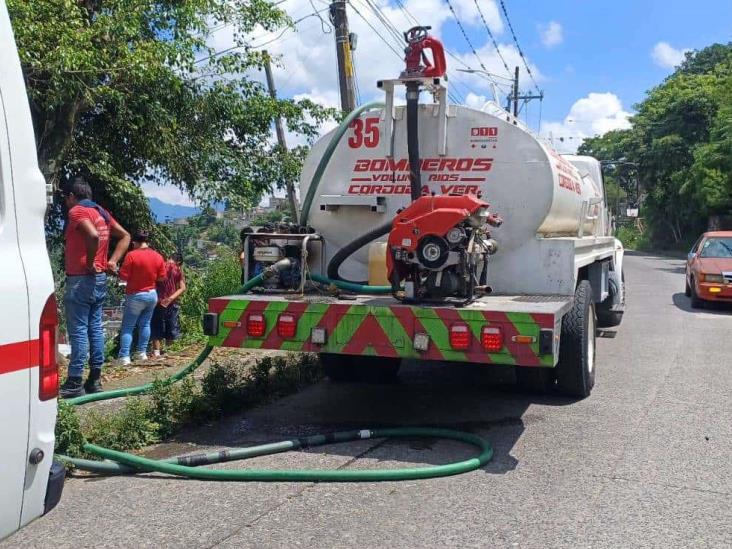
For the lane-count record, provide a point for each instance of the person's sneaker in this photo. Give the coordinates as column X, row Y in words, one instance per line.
column 72, row 388
column 156, row 353
column 123, row 361
column 139, row 357
column 93, row 384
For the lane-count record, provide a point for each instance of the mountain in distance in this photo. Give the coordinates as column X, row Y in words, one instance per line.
column 162, row 210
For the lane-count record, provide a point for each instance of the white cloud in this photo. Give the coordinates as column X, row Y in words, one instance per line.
column 307, row 62
column 475, row 101
column 596, row 114
column 170, row 194
column 551, row 33
column 666, row 56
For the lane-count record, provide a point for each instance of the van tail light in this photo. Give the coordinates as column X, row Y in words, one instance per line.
column 459, row 336
column 256, row 325
column 491, row 338
column 286, row 326
column 47, row 335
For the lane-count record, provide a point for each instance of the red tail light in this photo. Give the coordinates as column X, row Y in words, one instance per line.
column 286, row 326
column 256, row 325
column 48, row 367
column 459, row 336
column 491, row 338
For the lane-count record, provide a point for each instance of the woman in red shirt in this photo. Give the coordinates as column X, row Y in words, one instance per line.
column 142, row 268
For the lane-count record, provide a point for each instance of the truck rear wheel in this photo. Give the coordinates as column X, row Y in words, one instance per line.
column 364, row 369
column 576, row 368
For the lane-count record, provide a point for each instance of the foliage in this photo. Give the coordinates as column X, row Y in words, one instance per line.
column 632, row 238
column 69, row 438
column 128, row 91
column 680, row 141
column 226, row 387
column 221, row 277
column 131, row 427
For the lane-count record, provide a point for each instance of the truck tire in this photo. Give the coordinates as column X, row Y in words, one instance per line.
column 576, row 368
column 360, row 369
column 534, row 380
column 606, row 317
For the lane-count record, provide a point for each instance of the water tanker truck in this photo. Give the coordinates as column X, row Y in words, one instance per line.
column 432, row 231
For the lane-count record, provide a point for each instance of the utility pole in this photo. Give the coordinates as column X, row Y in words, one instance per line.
column 346, row 80
column 280, row 130
column 515, row 92
column 515, row 97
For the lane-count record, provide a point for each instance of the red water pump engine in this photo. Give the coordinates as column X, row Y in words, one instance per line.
column 438, row 248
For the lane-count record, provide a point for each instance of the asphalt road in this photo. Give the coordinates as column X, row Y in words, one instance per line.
column 646, row 461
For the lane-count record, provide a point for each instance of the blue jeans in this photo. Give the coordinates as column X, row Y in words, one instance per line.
column 83, row 303
column 139, row 309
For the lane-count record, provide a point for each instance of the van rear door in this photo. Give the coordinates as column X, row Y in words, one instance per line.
column 16, row 348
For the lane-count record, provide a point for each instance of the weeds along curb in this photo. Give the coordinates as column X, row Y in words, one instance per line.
column 227, row 387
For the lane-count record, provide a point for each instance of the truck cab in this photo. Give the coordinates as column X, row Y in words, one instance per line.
column 30, row 479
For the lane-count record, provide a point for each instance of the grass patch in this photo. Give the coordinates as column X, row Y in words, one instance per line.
column 227, row 387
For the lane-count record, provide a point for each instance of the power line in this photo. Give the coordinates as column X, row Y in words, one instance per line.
column 465, row 35
column 396, row 52
column 493, row 39
column 385, row 20
column 324, row 25
column 256, row 46
column 515, row 41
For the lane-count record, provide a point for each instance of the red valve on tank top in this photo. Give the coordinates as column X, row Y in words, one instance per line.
column 418, row 64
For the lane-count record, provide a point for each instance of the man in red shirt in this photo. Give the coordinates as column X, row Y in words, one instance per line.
column 165, row 323
column 142, row 268
column 87, row 233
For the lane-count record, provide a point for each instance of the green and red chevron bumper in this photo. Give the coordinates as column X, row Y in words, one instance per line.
column 377, row 327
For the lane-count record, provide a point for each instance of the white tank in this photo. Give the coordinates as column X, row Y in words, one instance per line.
column 538, row 192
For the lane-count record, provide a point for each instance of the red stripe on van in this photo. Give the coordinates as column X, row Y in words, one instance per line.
column 18, row 356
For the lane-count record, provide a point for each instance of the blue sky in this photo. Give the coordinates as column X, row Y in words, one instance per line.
column 607, row 45
column 593, row 59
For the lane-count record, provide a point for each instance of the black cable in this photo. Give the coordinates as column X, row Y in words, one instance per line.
column 397, row 53
column 493, row 39
column 465, row 35
column 515, row 41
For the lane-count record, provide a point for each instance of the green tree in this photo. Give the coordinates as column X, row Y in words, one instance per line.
column 127, row 91
column 680, row 142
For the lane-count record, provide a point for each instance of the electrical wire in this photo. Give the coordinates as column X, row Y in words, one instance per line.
column 324, row 25
column 493, row 39
column 262, row 44
column 465, row 35
column 384, row 40
column 385, row 20
column 518, row 47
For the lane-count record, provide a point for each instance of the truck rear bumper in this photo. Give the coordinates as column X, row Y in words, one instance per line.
column 378, row 326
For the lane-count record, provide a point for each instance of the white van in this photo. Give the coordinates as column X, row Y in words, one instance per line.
column 30, row 481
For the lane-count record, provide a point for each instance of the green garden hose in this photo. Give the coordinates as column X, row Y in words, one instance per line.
column 189, row 466
column 141, row 389
column 351, row 286
column 328, row 153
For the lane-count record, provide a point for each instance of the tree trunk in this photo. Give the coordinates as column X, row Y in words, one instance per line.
column 55, row 133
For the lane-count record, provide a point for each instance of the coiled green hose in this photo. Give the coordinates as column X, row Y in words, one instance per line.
column 189, row 466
